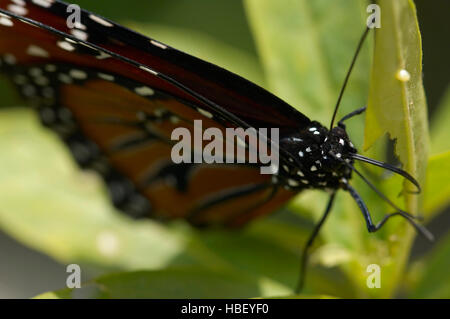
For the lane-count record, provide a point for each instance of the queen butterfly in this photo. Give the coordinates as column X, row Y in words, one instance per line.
column 114, row 97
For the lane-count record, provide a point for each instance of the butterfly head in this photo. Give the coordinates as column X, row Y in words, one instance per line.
column 336, row 147
column 318, row 157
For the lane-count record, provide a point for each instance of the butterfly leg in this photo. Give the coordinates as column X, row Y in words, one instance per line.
column 350, row 115
column 371, row 227
column 305, row 255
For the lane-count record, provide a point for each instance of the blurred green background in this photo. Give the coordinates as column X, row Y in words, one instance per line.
column 61, row 215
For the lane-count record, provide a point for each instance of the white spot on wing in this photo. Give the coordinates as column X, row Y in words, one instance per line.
column 158, row 44
column 292, row 183
column 9, row 59
column 71, row 40
column 100, row 20
column 107, row 77
column 6, row 21
column 205, row 113
column 19, row 2
column 50, row 68
column 144, row 91
column 34, row 50
column 159, row 112
column 17, row 9
column 174, row 119
column 79, row 25
column 66, row 46
column 41, row 81
column 274, row 169
column 78, row 74
column 35, row 72
column 47, row 115
column 102, row 55
column 79, row 34
column 43, row 3
column 64, row 78
column 148, row 70
column 29, row 90
column 20, row 79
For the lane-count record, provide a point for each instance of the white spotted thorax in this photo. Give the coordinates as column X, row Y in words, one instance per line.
column 317, row 156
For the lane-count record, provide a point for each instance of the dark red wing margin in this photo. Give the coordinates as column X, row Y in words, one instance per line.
column 241, row 98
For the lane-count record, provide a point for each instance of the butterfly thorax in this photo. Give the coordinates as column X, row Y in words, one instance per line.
column 316, row 158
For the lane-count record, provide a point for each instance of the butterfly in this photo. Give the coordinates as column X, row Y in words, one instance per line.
column 115, row 97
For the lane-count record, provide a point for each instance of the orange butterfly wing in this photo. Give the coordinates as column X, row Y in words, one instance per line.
column 117, row 118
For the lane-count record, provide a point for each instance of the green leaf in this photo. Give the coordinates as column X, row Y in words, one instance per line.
column 306, row 67
column 440, row 134
column 397, row 106
column 57, row 294
column 306, row 48
column 268, row 249
column 437, row 187
column 49, row 204
column 434, row 279
column 184, row 283
column 178, row 283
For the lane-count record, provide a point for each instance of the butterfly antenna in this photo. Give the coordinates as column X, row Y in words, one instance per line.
column 389, row 168
column 347, row 76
